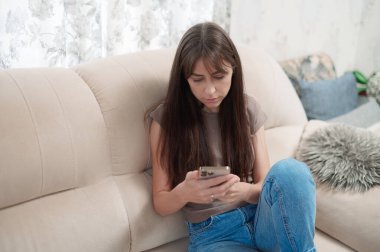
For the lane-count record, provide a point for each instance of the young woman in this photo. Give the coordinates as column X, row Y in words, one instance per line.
column 206, row 119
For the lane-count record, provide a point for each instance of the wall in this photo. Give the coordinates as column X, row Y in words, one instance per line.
column 368, row 48
column 345, row 29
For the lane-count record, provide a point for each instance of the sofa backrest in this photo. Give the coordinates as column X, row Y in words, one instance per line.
column 127, row 85
column 52, row 133
column 266, row 81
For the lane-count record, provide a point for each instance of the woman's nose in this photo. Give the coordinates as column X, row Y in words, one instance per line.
column 210, row 89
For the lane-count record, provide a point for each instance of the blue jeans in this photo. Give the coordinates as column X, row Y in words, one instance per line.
column 283, row 219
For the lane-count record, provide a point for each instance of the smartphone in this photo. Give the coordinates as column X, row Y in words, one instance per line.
column 206, row 172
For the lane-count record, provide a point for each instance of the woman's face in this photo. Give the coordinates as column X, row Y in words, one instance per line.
column 210, row 87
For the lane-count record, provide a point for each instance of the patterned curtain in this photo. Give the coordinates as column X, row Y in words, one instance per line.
column 68, row 32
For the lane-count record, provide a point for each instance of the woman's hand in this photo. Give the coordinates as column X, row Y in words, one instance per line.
column 241, row 191
column 205, row 191
column 238, row 192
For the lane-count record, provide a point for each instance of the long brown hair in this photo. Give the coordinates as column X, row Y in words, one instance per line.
column 182, row 145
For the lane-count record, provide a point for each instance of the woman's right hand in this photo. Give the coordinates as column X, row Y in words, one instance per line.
column 196, row 190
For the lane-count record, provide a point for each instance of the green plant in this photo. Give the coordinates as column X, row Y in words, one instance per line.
column 361, row 80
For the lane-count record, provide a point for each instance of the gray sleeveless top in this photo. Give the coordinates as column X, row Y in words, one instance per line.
column 195, row 212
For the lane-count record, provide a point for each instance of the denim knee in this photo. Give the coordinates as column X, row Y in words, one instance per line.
column 291, row 170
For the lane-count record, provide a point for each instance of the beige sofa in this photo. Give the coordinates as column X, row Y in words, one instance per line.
column 74, row 154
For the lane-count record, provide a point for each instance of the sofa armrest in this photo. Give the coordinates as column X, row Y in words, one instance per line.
column 282, row 141
column 352, row 218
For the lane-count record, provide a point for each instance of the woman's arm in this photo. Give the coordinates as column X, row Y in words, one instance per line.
column 261, row 165
column 243, row 191
column 168, row 200
column 165, row 200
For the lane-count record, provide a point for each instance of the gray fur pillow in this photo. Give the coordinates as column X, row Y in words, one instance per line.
column 342, row 157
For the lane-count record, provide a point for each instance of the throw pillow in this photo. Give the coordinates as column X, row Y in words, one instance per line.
column 326, row 99
column 363, row 116
column 374, row 86
column 342, row 157
column 311, row 68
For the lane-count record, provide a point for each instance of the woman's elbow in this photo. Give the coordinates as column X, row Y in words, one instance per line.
column 159, row 209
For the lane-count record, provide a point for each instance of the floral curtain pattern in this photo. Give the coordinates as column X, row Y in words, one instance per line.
column 68, row 32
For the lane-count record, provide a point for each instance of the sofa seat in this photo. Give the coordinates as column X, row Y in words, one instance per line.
column 89, row 218
column 323, row 242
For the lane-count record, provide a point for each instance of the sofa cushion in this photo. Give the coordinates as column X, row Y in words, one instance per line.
column 375, row 128
column 352, row 218
column 312, row 67
column 363, row 116
column 265, row 80
column 282, row 142
column 326, row 99
column 175, row 246
column 52, row 132
column 125, row 86
column 90, row 218
column 323, row 242
column 147, row 228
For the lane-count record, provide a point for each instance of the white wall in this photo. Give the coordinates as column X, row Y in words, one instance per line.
column 348, row 30
column 368, row 49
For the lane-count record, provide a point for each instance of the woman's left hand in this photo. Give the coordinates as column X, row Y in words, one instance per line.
column 240, row 191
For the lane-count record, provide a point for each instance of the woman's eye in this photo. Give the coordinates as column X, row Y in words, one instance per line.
column 219, row 77
column 197, row 80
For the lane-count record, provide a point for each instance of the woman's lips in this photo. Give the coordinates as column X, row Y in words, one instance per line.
column 214, row 100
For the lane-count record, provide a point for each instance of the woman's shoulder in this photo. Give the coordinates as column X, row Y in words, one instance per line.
column 157, row 112
column 256, row 115
column 252, row 104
